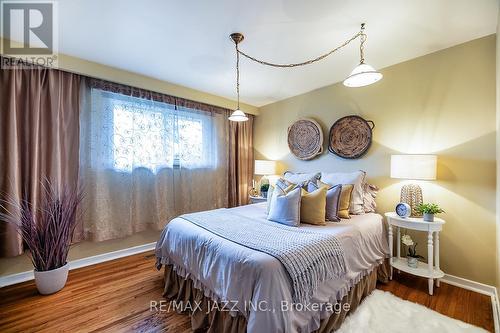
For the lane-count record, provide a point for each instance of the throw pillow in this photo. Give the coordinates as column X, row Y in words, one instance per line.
column 285, row 207
column 356, row 179
column 345, row 200
column 332, row 199
column 370, row 193
column 300, row 177
column 312, row 206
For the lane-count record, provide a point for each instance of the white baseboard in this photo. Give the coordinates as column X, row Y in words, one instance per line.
column 496, row 311
column 479, row 288
column 469, row 285
column 79, row 263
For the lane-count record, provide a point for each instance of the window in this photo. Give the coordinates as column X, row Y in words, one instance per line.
column 153, row 135
column 140, row 140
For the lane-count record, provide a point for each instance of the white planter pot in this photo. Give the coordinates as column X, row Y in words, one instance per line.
column 49, row 282
column 412, row 262
column 428, row 217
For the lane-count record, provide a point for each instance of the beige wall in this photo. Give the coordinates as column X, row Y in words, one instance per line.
column 89, row 68
column 81, row 250
column 442, row 103
column 498, row 147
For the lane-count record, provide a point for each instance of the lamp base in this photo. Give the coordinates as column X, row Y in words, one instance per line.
column 412, row 195
column 253, row 191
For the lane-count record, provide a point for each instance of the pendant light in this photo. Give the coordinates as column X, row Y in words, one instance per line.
column 363, row 74
column 237, row 115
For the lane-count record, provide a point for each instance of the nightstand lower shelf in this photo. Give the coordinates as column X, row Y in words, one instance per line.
column 431, row 270
column 422, row 270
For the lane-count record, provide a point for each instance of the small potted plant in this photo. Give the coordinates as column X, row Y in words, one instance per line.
column 412, row 256
column 47, row 231
column 263, row 190
column 429, row 210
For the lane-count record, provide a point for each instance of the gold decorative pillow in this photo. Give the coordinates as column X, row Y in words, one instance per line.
column 312, row 206
column 345, row 199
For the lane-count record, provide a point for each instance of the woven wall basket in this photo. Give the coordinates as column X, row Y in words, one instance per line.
column 350, row 137
column 305, row 139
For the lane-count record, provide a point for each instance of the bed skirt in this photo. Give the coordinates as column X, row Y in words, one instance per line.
column 182, row 291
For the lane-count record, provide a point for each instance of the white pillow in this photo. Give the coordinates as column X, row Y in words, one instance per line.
column 298, row 178
column 355, row 178
column 370, row 193
column 285, row 208
column 281, row 183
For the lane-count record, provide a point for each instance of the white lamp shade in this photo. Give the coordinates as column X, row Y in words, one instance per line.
column 263, row 167
column 362, row 75
column 418, row 167
column 238, row 115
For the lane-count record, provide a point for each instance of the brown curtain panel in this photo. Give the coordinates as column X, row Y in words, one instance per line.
column 39, row 137
column 241, row 161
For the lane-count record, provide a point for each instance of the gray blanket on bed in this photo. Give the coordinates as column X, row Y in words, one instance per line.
column 309, row 258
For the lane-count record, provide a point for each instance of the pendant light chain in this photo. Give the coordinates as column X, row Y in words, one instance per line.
column 237, row 115
column 362, row 37
column 238, row 74
column 360, row 34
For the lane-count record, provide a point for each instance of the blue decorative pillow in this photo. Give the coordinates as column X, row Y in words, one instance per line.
column 284, row 207
column 332, row 203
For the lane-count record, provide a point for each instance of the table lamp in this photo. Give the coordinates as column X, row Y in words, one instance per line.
column 264, row 168
column 414, row 167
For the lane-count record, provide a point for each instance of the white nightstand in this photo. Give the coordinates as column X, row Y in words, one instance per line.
column 258, row 199
column 428, row 270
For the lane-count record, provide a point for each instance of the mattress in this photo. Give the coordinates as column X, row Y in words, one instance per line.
column 256, row 284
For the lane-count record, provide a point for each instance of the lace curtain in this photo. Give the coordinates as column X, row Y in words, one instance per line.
column 143, row 162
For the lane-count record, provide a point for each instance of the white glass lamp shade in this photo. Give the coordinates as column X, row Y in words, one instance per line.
column 417, row 167
column 238, row 115
column 265, row 168
column 362, row 75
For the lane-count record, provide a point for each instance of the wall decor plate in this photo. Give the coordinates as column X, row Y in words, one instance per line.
column 350, row 137
column 305, row 139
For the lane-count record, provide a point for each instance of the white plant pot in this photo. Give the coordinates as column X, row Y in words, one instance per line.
column 412, row 262
column 428, row 217
column 49, row 282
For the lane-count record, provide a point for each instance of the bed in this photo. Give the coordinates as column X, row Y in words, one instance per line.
column 228, row 287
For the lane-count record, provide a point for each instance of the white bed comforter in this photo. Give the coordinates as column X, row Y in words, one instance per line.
column 255, row 283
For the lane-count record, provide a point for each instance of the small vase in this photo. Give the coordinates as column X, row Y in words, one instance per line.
column 263, row 194
column 49, row 282
column 428, row 217
column 412, row 262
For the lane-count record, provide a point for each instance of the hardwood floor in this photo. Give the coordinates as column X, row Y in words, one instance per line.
column 449, row 300
column 115, row 297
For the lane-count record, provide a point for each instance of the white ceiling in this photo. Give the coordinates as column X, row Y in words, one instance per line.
column 186, row 42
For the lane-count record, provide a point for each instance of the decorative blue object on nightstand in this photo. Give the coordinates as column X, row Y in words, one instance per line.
column 403, row 210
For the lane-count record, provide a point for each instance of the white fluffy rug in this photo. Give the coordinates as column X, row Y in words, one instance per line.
column 385, row 313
